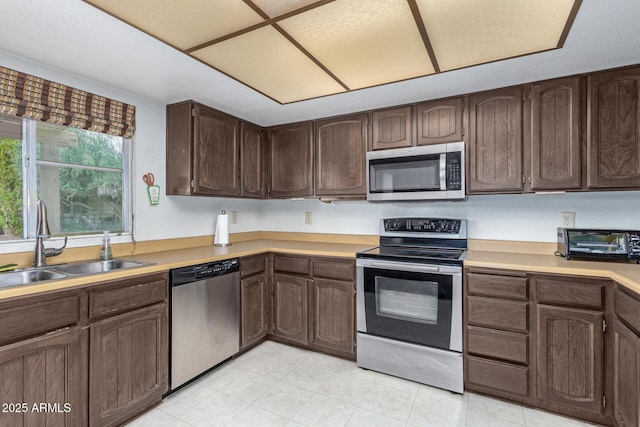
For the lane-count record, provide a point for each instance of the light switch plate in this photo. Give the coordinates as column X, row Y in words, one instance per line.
column 234, row 217
column 308, row 217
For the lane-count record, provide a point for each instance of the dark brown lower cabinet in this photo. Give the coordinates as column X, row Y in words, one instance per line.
column 254, row 296
column 49, row 370
column 291, row 308
column 570, row 357
column 541, row 340
column 128, row 369
column 496, row 317
column 333, row 314
column 626, row 399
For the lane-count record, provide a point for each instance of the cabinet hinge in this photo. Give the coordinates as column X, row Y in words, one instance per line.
column 193, row 112
column 192, row 184
column 604, row 326
column 604, row 401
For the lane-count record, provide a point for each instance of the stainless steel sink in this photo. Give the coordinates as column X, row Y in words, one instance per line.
column 29, row 276
column 94, row 267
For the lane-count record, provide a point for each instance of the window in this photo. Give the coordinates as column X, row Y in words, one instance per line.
column 83, row 176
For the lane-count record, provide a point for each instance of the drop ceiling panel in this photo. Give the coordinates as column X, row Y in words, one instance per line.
column 465, row 33
column 184, row 23
column 364, row 43
column 275, row 8
column 268, row 62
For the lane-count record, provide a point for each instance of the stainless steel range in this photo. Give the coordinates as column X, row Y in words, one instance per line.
column 409, row 301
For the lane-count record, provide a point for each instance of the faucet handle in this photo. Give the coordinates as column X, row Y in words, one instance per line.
column 56, row 251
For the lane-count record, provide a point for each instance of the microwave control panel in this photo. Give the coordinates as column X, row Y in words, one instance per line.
column 454, row 170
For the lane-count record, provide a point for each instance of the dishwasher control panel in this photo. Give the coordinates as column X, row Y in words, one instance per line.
column 180, row 276
column 216, row 268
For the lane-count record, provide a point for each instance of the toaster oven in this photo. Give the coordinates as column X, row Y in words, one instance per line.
column 599, row 244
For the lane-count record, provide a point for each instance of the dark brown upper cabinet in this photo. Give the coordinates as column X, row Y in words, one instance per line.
column 392, row 128
column 495, row 141
column 291, row 154
column 340, row 149
column 556, row 155
column 253, row 161
column 439, row 121
column 613, row 136
column 203, row 151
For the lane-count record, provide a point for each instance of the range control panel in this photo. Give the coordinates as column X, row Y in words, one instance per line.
column 422, row 225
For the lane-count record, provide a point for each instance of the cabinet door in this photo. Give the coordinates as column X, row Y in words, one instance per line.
column 51, row 369
column 391, row 128
column 333, row 314
column 253, row 161
column 556, row 157
column 439, row 121
column 613, row 138
column 291, row 151
column 340, row 147
column 626, row 406
column 129, row 362
column 495, row 141
column 254, row 297
column 216, row 166
column 570, row 357
column 291, row 308
column 179, row 149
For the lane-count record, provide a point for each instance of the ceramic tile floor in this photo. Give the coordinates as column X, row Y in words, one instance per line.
column 279, row 385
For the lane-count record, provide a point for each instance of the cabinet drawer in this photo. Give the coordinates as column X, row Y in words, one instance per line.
column 498, row 314
column 252, row 265
column 498, row 375
column 628, row 309
column 569, row 291
column 127, row 295
column 291, row 264
column 334, row 269
column 33, row 316
column 498, row 344
column 493, row 285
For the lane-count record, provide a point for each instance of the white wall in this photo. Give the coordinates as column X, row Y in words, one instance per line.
column 527, row 217
column 175, row 216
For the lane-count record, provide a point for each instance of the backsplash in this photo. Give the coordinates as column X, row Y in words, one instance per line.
column 526, row 217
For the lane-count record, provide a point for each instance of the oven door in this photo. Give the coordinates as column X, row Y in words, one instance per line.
column 415, row 303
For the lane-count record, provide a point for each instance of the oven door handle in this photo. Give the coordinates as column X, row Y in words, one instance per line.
column 406, row 266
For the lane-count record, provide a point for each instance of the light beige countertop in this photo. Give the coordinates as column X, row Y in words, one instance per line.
column 175, row 258
column 627, row 274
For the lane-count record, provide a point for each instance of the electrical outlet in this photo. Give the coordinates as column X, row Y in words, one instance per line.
column 568, row 219
column 308, row 217
column 234, row 217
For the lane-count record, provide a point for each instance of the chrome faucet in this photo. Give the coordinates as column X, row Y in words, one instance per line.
column 40, row 254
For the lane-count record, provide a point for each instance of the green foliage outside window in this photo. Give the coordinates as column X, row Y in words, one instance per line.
column 10, row 189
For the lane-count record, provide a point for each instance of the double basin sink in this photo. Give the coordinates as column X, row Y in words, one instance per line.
column 30, row 276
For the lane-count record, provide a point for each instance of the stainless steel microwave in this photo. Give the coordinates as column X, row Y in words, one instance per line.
column 430, row 172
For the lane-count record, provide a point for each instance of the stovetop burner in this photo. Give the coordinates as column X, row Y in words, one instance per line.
column 415, row 254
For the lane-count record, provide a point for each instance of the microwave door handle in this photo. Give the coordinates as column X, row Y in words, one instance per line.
column 443, row 171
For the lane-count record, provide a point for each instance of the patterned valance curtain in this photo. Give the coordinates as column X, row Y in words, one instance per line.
column 34, row 98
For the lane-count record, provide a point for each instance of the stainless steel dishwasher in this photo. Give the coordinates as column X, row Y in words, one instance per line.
column 205, row 318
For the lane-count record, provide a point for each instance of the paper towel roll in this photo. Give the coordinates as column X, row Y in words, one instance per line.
column 222, row 230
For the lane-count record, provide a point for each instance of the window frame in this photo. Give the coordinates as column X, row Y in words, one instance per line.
column 30, row 188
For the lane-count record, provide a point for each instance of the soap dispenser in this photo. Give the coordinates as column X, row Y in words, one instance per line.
column 105, row 252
